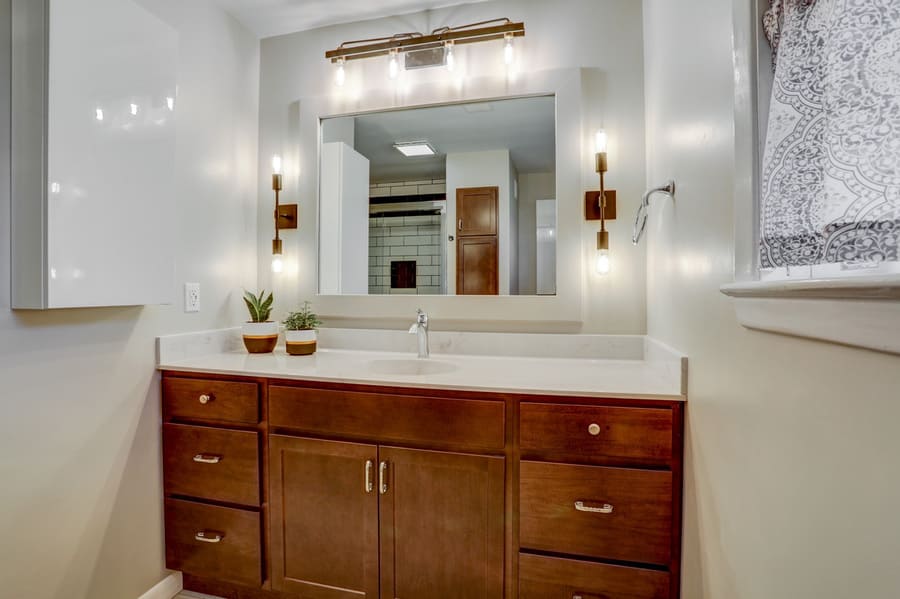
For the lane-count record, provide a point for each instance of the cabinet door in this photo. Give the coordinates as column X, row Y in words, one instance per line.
column 441, row 525
column 476, row 211
column 477, row 266
column 324, row 518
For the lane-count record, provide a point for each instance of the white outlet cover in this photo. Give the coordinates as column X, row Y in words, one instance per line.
column 192, row 297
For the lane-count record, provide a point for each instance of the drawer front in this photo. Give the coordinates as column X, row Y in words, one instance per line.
column 211, row 463
column 465, row 424
column 213, row 542
column 596, row 434
column 557, row 578
column 607, row 513
column 215, row 401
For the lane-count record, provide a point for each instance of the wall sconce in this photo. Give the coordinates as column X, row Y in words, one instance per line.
column 285, row 216
column 421, row 51
column 601, row 205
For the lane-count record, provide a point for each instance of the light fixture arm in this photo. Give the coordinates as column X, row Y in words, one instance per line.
column 640, row 220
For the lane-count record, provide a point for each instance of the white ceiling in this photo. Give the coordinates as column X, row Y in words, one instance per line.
column 277, row 17
column 525, row 126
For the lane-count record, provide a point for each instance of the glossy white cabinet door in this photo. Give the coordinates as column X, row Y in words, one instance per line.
column 94, row 109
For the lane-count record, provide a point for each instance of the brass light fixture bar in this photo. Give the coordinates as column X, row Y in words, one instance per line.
column 483, row 31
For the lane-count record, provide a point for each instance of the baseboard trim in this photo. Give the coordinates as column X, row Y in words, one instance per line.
column 166, row 588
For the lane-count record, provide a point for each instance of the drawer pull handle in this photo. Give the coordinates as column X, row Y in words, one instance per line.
column 382, row 478
column 603, row 509
column 370, row 485
column 206, row 398
column 594, row 429
column 206, row 537
column 201, row 458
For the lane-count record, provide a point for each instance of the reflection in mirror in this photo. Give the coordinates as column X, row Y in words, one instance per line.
column 457, row 199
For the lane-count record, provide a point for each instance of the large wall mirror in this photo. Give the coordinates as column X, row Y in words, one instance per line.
column 455, row 199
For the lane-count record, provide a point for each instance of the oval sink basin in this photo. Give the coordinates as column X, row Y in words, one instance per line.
column 410, row 366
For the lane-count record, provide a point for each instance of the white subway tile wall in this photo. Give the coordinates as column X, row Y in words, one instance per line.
column 405, row 238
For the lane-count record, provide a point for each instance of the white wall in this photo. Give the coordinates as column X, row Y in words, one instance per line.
column 481, row 169
column 791, row 487
column 80, row 506
column 601, row 38
column 532, row 187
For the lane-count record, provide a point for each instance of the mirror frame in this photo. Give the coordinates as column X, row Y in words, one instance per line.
column 302, row 144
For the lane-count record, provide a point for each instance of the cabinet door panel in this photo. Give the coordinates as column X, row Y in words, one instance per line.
column 324, row 522
column 477, row 266
column 441, row 525
column 476, row 211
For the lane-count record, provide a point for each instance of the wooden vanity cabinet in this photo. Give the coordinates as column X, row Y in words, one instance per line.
column 372, row 492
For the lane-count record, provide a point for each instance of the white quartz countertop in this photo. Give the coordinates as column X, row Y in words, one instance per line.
column 655, row 375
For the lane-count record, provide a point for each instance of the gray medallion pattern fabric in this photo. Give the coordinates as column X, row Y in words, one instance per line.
column 831, row 169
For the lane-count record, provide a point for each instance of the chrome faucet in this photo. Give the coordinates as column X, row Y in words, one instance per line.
column 420, row 328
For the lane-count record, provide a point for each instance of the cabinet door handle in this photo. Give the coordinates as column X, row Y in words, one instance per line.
column 208, row 537
column 460, row 224
column 382, row 478
column 202, row 458
column 370, row 486
column 206, row 398
column 605, row 508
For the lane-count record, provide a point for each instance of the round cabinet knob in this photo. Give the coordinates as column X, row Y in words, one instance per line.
column 205, row 399
column 594, row 429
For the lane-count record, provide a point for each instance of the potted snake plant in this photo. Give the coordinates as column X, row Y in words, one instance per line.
column 260, row 334
column 300, row 331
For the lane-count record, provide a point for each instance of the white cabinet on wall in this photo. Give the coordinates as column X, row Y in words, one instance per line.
column 93, row 154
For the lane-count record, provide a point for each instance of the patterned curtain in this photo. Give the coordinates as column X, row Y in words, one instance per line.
column 831, row 168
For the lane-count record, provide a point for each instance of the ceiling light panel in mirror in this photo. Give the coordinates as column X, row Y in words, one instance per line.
column 457, row 199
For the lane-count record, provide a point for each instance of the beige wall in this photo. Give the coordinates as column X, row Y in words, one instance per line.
column 80, row 507
column 791, row 481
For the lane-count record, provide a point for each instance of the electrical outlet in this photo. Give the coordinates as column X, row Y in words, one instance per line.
column 192, row 297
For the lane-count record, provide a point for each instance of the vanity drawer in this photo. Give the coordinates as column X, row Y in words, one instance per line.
column 213, row 542
column 464, row 424
column 211, row 463
column 609, row 513
column 216, row 401
column 557, row 578
column 596, row 434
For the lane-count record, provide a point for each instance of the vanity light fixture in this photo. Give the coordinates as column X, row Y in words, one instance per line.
column 170, row 102
column 340, row 76
column 411, row 149
column 134, row 109
column 601, row 205
column 285, row 215
column 441, row 42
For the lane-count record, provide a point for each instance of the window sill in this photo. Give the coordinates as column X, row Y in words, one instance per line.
column 860, row 312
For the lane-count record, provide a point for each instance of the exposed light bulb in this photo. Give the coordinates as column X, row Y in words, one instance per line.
column 277, row 264
column 601, row 141
column 99, row 114
column 54, row 187
column 508, row 49
column 340, row 76
column 276, row 165
column 602, row 262
column 134, row 109
column 170, row 102
column 394, row 66
column 451, row 59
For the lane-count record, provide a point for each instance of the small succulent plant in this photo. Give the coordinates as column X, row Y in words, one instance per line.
column 302, row 320
column 259, row 306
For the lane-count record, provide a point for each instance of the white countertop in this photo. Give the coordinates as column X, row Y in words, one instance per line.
column 658, row 374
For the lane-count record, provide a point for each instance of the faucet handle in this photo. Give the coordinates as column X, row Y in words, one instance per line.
column 421, row 317
column 414, row 329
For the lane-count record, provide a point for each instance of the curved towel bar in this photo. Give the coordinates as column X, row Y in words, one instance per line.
column 640, row 220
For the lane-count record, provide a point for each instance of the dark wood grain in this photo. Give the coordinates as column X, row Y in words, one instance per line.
column 476, row 211
column 543, row 577
column 442, row 525
column 627, row 436
column 477, row 266
column 230, row 401
column 638, row 530
column 234, row 479
column 464, row 424
column 236, row 558
column 324, row 536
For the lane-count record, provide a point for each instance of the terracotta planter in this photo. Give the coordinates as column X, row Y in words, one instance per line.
column 260, row 337
column 300, row 343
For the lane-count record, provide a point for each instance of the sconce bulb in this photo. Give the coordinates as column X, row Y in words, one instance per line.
column 276, row 165
column 277, row 264
column 394, row 66
column 134, row 109
column 99, row 114
column 340, row 76
column 451, row 59
column 508, row 50
column 170, row 102
column 601, row 142
column 602, row 262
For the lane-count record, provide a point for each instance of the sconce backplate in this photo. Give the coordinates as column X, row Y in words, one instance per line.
column 592, row 205
column 286, row 218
